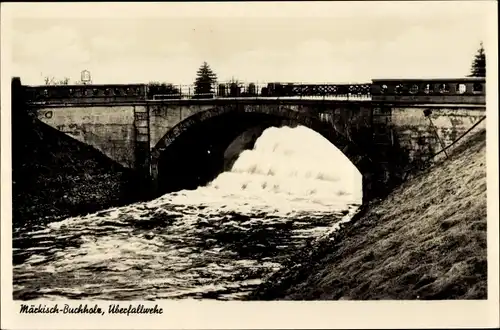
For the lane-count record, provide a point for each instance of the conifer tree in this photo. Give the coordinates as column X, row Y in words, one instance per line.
column 205, row 79
column 478, row 68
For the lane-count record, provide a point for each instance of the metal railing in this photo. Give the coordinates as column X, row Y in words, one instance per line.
column 190, row 91
column 265, row 90
column 461, row 90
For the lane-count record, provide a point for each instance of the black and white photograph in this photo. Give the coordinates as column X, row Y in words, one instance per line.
column 241, row 157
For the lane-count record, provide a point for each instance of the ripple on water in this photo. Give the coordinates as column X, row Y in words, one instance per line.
column 216, row 242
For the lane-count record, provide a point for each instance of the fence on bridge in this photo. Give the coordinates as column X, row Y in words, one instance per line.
column 275, row 90
column 461, row 90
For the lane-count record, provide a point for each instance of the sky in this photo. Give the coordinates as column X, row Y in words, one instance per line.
column 345, row 42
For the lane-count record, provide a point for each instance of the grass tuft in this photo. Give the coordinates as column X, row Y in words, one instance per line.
column 426, row 240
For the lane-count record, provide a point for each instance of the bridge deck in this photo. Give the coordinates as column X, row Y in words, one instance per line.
column 257, row 100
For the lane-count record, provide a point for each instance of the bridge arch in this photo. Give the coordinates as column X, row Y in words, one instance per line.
column 239, row 117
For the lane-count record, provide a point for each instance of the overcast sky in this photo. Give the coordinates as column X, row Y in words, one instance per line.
column 352, row 42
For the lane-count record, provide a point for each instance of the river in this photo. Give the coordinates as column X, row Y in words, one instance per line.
column 219, row 241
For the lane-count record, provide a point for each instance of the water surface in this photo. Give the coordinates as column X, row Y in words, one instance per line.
column 218, row 242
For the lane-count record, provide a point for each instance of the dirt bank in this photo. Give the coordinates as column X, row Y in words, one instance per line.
column 56, row 176
column 426, row 240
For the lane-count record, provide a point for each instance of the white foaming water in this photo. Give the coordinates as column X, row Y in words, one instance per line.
column 218, row 241
column 288, row 170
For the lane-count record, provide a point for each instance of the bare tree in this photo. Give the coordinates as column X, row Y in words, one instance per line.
column 53, row 81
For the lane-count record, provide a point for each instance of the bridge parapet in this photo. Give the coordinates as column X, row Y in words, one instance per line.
column 61, row 94
column 448, row 91
column 411, row 91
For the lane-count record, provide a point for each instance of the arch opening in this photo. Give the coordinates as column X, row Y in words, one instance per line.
column 193, row 154
column 200, row 153
column 284, row 168
column 242, row 142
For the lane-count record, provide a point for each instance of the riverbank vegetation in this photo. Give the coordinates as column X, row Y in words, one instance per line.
column 427, row 240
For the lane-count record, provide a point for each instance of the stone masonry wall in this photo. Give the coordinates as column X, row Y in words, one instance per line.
column 418, row 136
column 110, row 129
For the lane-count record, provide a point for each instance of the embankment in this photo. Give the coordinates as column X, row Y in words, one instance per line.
column 426, row 240
column 55, row 176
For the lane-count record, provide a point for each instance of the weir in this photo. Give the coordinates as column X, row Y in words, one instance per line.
column 180, row 141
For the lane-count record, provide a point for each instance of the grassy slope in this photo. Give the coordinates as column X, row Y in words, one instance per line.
column 56, row 176
column 427, row 240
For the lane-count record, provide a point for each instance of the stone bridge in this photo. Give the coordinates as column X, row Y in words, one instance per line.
column 181, row 143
